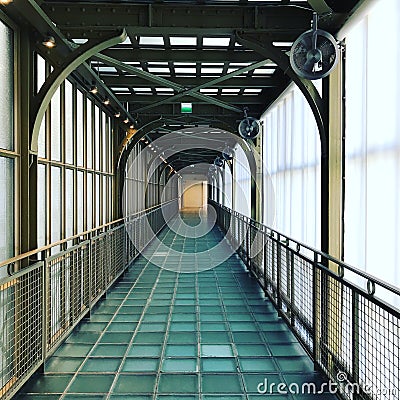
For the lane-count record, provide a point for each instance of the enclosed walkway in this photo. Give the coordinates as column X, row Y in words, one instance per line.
column 161, row 334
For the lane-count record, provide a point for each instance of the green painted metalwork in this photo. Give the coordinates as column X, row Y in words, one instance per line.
column 60, row 73
column 162, row 81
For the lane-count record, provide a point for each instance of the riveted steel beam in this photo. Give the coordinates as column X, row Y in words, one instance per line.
column 163, row 82
column 60, row 73
column 85, row 19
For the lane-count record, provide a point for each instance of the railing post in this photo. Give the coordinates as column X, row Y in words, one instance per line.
column 248, row 229
column 292, row 287
column 315, row 311
column 278, row 272
column 265, row 259
column 45, row 310
column 90, row 270
column 273, row 263
column 355, row 340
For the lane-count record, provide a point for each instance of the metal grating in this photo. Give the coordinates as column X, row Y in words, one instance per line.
column 21, row 318
column 41, row 304
column 351, row 333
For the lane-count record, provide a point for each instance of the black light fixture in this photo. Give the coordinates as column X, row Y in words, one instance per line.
column 126, row 120
column 228, row 153
column 49, row 42
column 218, row 162
column 93, row 89
column 117, row 114
column 106, row 101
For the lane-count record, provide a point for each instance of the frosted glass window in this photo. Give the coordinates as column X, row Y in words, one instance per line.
column 242, row 183
column 56, row 206
column 104, row 141
column 55, row 126
column 42, row 139
column 97, row 200
column 69, row 203
column 79, row 129
column 40, row 72
column 6, row 87
column 292, row 168
column 105, row 193
column 97, row 153
column 372, row 166
column 41, row 205
column 89, row 201
column 69, row 119
column 110, row 147
column 6, row 208
column 89, row 134
column 227, row 192
column 110, row 199
column 79, row 205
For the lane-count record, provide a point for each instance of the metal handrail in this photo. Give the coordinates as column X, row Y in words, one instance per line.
column 41, row 303
column 79, row 235
column 351, row 333
column 386, row 285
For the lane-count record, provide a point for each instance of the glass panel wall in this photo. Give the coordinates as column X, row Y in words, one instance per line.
column 8, row 152
column 292, row 168
column 372, row 144
column 75, row 156
column 241, row 182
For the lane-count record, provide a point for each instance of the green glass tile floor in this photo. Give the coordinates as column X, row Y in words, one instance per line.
column 162, row 334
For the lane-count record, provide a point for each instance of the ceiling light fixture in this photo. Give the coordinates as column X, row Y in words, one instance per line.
column 5, row 2
column 117, row 114
column 106, row 101
column 93, row 89
column 126, row 120
column 49, row 42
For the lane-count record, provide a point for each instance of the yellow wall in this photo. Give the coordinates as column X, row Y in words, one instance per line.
column 194, row 194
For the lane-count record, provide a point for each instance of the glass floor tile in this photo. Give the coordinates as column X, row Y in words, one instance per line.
column 161, row 334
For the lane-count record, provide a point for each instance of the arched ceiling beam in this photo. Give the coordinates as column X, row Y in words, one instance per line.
column 60, row 73
column 306, row 87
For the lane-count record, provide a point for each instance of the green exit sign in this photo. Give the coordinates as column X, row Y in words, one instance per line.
column 186, row 108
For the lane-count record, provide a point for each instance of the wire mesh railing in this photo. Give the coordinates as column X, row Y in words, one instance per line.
column 347, row 320
column 41, row 303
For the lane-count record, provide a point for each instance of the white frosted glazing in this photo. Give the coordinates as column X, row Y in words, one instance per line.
column 55, row 126
column 40, row 71
column 80, row 200
column 55, row 206
column 292, row 168
column 69, row 119
column 97, row 196
column 41, row 206
column 6, row 87
column 372, row 152
column 69, row 202
column 6, row 208
column 97, row 137
column 79, row 129
column 241, row 183
column 89, row 201
column 89, row 134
